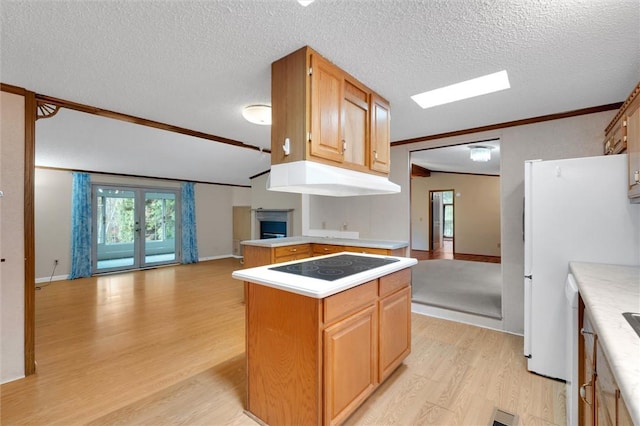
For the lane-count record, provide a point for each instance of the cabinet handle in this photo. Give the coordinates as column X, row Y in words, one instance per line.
column 375, row 155
column 344, row 145
column 293, row 249
column 583, row 332
column 636, row 176
column 583, row 392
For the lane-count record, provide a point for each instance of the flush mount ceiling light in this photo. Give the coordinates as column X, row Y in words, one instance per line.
column 258, row 114
column 305, row 3
column 480, row 153
column 467, row 89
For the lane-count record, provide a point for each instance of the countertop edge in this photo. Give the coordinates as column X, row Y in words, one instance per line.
column 283, row 281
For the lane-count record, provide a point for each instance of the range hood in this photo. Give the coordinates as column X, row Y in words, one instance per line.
column 308, row 177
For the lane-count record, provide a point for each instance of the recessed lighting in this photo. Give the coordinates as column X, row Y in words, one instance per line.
column 466, row 89
column 305, row 3
column 480, row 153
column 258, row 114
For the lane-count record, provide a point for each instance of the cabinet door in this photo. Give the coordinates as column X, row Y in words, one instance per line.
column 380, row 136
column 355, row 123
column 395, row 331
column 327, row 94
column 367, row 250
column 633, row 151
column 350, row 361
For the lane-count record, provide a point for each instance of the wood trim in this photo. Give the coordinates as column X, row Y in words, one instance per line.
column 12, row 89
column 419, row 171
column 260, row 174
column 144, row 122
column 533, row 120
column 64, row 169
column 29, row 233
column 462, row 173
column 634, row 93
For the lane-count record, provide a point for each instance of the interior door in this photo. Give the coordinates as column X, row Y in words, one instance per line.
column 435, row 242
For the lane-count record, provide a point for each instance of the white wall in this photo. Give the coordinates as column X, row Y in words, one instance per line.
column 12, row 138
column 214, row 222
column 566, row 138
column 476, row 211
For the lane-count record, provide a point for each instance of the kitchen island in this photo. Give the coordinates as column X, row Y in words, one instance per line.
column 317, row 348
column 606, row 292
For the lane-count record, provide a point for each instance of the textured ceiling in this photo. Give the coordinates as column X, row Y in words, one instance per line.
column 196, row 64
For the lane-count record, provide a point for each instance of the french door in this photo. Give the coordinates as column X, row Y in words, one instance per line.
column 134, row 227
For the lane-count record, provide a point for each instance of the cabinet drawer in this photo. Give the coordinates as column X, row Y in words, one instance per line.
column 348, row 301
column 392, row 282
column 298, row 249
column 368, row 250
column 320, row 249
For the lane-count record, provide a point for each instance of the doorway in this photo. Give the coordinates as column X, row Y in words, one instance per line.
column 134, row 227
column 441, row 223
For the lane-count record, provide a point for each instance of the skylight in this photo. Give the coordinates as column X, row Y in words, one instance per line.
column 466, row 89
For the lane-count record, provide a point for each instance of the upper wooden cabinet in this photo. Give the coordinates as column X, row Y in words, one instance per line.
column 623, row 135
column 327, row 115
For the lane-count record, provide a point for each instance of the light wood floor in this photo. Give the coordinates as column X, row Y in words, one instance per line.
column 166, row 346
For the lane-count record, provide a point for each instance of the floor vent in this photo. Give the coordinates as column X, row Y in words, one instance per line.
column 502, row 418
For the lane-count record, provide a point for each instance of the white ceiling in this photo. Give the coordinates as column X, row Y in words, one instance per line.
column 457, row 158
column 196, row 64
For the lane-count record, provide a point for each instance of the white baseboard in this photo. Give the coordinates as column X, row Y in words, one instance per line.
column 54, row 278
column 480, row 321
column 224, row 256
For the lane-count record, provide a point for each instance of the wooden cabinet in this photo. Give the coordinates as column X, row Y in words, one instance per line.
column 623, row 135
column 289, row 253
column 314, row 361
column 395, row 331
column 633, row 151
column 260, row 256
column 380, row 152
column 350, row 359
column 327, row 115
column 601, row 403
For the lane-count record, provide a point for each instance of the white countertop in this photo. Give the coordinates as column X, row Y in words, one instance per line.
column 607, row 292
column 280, row 242
column 314, row 287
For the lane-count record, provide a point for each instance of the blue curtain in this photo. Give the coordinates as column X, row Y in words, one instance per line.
column 189, row 240
column 80, row 226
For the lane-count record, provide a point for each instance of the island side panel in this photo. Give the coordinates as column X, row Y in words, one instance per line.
column 284, row 379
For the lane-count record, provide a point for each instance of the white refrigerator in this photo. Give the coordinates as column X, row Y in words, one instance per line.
column 574, row 210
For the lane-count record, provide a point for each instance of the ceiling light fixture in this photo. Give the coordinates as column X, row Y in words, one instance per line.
column 467, row 89
column 258, row 114
column 305, row 3
column 480, row 153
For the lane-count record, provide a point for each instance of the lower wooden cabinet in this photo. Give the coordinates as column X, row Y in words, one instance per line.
column 395, row 331
column 601, row 403
column 260, row 256
column 314, row 361
column 350, row 359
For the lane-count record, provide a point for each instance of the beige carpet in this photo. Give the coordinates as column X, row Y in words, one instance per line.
column 459, row 285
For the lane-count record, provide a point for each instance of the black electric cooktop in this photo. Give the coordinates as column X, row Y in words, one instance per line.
column 336, row 267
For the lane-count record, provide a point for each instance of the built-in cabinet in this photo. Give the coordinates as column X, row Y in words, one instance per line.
column 601, row 403
column 260, row 256
column 623, row 135
column 327, row 115
column 314, row 361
